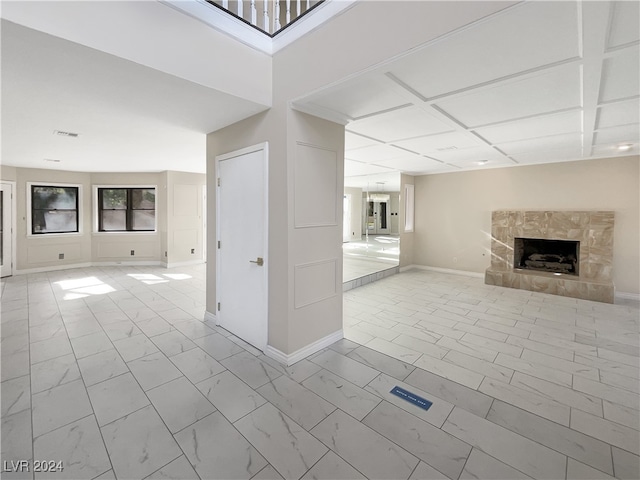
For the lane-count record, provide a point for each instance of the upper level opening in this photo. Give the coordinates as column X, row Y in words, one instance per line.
column 267, row 25
column 270, row 17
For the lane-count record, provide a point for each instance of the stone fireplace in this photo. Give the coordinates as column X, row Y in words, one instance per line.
column 567, row 253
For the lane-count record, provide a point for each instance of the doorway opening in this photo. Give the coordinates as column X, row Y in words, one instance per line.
column 371, row 231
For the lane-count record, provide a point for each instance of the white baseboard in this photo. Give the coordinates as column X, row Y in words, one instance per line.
column 451, row 271
column 628, row 296
column 53, row 268
column 208, row 316
column 126, row 263
column 184, row 264
column 304, row 352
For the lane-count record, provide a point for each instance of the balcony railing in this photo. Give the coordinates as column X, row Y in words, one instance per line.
column 269, row 16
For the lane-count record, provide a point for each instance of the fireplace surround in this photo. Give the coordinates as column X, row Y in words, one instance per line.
column 572, row 252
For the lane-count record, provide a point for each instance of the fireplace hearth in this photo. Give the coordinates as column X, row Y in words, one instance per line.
column 543, row 255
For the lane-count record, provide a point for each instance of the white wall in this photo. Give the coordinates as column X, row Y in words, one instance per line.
column 185, row 222
column 355, row 233
column 406, row 238
column 157, row 36
column 453, row 210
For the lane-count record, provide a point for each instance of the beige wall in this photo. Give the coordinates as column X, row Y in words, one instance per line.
column 453, row 210
column 394, row 205
column 90, row 247
column 8, row 173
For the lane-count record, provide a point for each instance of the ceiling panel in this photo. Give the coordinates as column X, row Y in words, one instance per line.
column 441, row 142
column 381, row 182
column 469, row 164
column 624, row 24
column 352, row 168
column 468, row 154
column 623, row 134
column 376, row 153
column 403, row 123
column 416, row 163
column 622, row 113
column 611, row 150
column 351, row 141
column 541, row 126
column 555, row 142
column 363, row 96
column 512, row 42
column 620, row 78
column 551, row 156
column 553, row 90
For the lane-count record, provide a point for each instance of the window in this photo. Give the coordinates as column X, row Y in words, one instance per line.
column 408, row 207
column 126, row 209
column 54, row 209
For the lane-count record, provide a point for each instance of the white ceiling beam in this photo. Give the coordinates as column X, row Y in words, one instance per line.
column 595, row 20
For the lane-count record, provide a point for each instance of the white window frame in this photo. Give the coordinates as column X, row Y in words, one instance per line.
column 30, row 233
column 96, row 211
column 409, row 208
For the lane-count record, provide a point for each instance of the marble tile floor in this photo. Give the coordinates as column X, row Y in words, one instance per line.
column 368, row 256
column 112, row 372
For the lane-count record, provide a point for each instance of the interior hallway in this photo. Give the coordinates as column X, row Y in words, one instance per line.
column 111, row 371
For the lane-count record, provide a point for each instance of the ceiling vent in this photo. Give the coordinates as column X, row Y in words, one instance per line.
column 66, row 134
column 54, row 160
column 444, row 149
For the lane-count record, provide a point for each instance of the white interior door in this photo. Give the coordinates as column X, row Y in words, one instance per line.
column 242, row 234
column 6, row 222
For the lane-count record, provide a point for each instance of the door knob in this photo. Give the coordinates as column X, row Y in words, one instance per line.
column 259, row 261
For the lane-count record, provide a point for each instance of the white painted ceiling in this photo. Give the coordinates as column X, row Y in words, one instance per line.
column 539, row 82
column 129, row 117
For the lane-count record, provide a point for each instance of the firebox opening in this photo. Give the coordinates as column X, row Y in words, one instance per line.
column 555, row 256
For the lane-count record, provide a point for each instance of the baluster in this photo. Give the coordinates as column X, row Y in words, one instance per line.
column 225, row 4
column 276, row 6
column 299, row 5
column 254, row 14
column 308, row 5
column 266, row 17
column 288, row 12
column 240, row 9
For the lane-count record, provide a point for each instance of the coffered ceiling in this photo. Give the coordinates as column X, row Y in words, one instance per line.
column 539, row 82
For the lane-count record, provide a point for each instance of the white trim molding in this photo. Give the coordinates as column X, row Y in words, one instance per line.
column 451, row 271
column 70, row 266
column 210, row 317
column 183, row 264
column 304, row 352
column 53, row 268
column 628, row 296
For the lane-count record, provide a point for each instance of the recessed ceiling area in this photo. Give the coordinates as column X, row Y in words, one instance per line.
column 538, row 82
